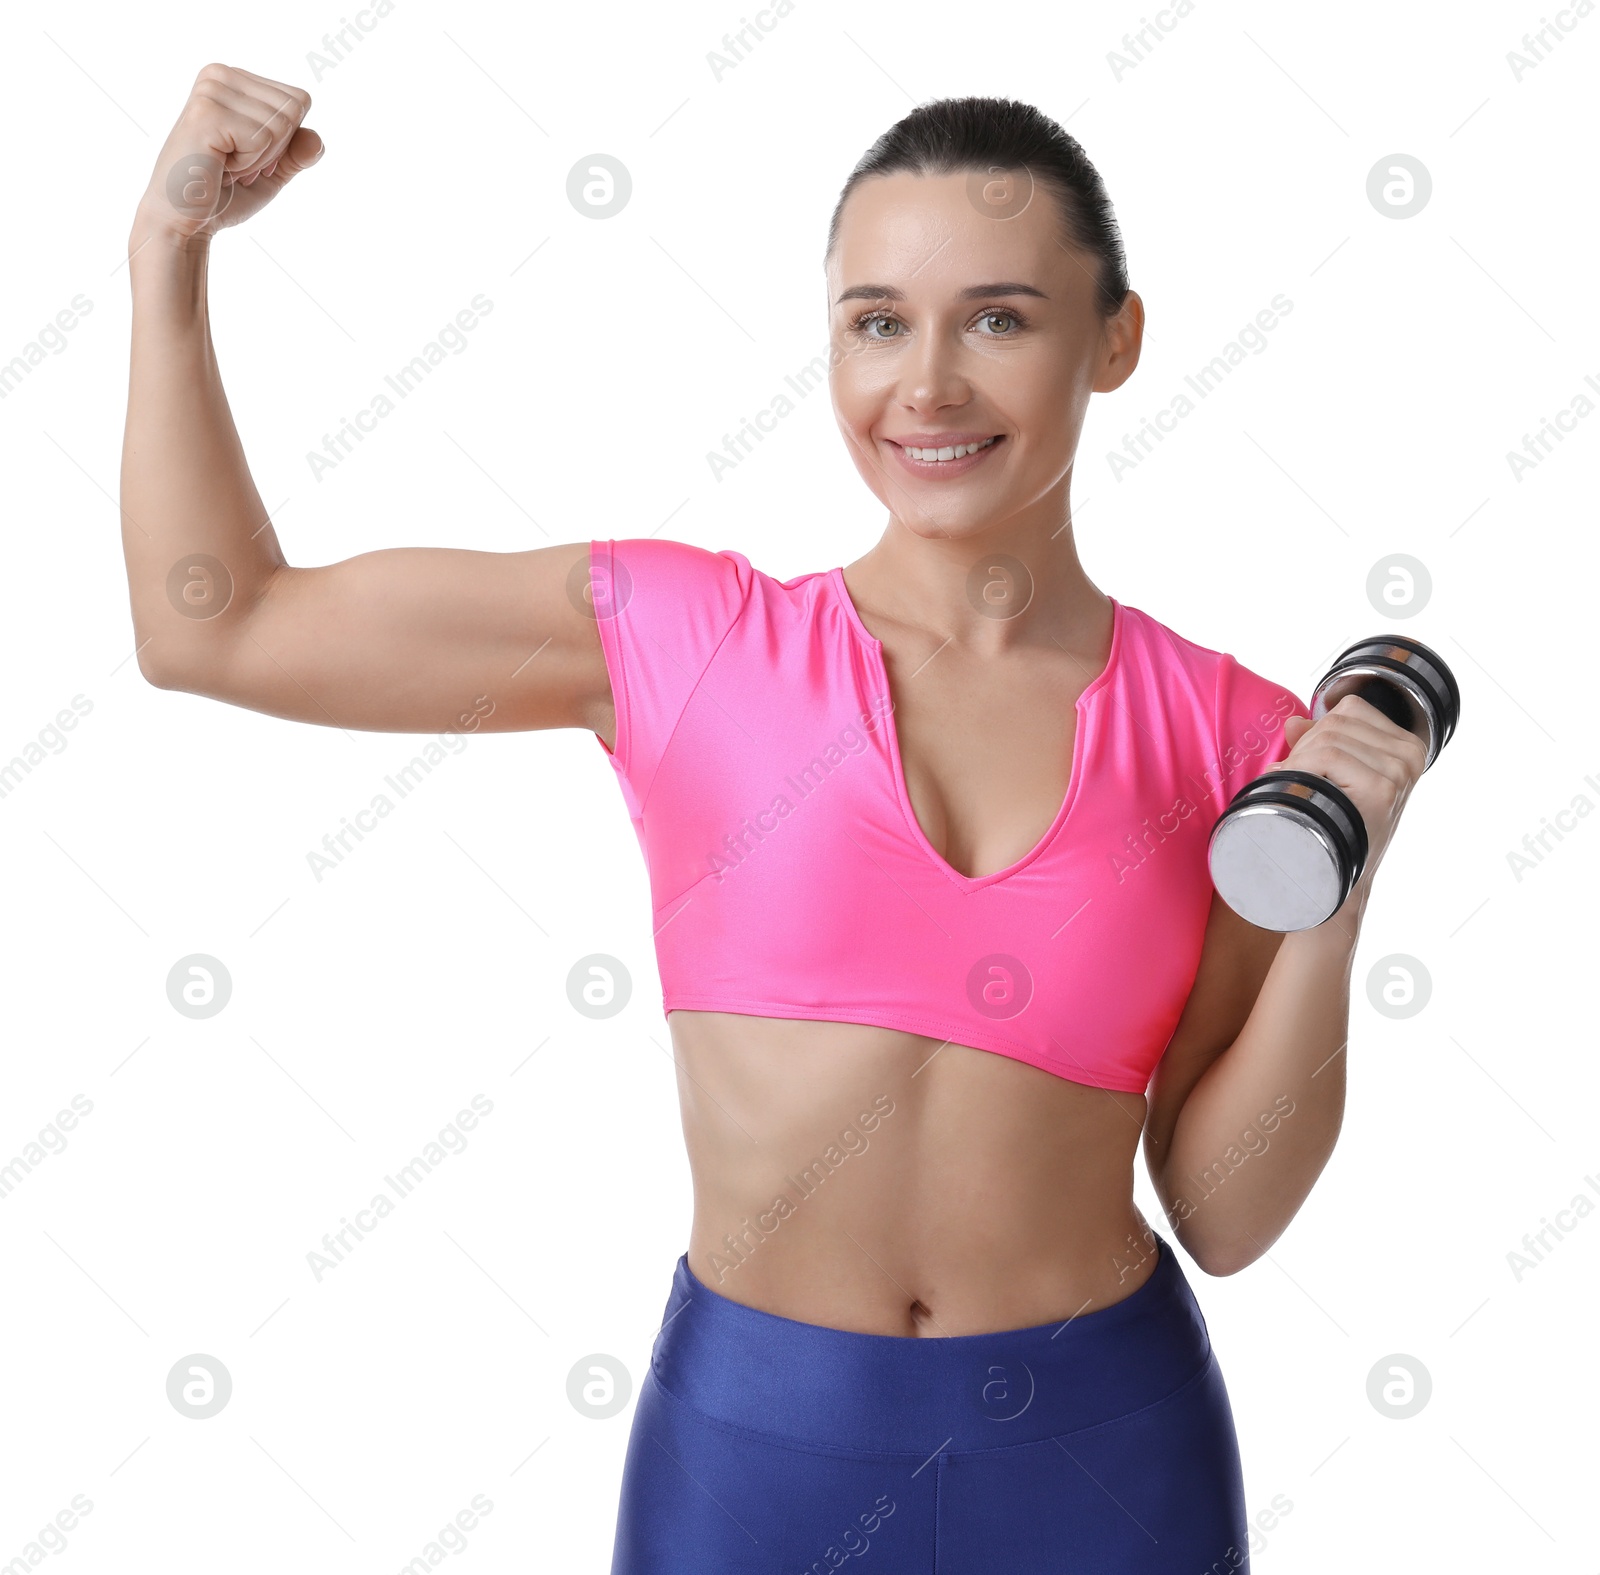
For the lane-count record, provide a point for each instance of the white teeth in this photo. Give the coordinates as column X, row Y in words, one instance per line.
column 960, row 451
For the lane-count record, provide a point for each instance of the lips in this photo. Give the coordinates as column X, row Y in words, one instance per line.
column 940, row 469
column 940, row 439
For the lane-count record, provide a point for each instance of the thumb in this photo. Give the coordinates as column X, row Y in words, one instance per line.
column 304, row 149
column 1295, row 728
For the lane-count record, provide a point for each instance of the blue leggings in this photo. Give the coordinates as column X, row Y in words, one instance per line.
column 1103, row 1445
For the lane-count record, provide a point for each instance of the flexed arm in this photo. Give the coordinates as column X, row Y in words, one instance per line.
column 1246, row 1106
column 402, row 640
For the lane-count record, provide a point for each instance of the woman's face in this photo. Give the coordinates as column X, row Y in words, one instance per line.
column 951, row 325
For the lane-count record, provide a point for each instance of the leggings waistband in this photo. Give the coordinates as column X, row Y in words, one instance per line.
column 906, row 1394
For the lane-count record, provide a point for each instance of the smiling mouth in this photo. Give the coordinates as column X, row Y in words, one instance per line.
column 946, row 454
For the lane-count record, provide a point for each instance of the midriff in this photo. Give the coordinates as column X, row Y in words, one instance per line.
column 930, row 1189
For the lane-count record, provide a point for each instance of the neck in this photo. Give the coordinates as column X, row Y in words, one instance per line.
column 1017, row 581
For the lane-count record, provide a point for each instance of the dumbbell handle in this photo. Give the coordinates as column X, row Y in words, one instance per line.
column 1402, row 679
column 1290, row 845
column 1387, row 698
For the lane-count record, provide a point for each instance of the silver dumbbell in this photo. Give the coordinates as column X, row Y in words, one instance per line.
column 1289, row 847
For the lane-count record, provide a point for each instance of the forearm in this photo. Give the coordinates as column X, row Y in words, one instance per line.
column 1259, row 1125
column 186, row 487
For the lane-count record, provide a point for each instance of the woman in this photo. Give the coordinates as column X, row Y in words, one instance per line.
column 926, row 839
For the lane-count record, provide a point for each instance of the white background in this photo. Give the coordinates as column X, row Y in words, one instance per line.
column 431, row 966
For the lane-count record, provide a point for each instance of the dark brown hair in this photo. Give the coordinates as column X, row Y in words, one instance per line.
column 951, row 135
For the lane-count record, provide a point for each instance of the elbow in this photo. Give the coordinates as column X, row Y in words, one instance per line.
column 1219, row 1259
column 161, row 669
column 156, row 672
column 168, row 658
column 1219, row 1265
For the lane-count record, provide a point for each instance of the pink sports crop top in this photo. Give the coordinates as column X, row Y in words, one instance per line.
column 757, row 755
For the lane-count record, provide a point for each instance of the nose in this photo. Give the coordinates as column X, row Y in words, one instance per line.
column 932, row 374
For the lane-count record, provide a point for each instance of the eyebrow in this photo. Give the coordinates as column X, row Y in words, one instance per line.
column 973, row 292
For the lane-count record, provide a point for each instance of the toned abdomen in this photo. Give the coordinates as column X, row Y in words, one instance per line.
column 867, row 1179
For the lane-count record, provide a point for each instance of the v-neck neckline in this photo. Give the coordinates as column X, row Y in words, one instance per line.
column 897, row 766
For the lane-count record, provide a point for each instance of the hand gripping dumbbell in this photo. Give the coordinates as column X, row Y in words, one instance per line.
column 1289, row 847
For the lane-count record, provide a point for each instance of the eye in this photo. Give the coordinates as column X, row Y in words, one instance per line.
column 859, row 324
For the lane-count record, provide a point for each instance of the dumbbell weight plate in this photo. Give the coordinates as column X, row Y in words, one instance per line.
column 1287, row 850
column 1413, row 687
column 1289, row 847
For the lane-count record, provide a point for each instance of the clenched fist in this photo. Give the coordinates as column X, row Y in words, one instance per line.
column 1375, row 761
column 238, row 142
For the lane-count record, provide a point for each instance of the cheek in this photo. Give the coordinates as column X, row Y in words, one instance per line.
column 1042, row 390
column 858, row 398
column 1049, row 406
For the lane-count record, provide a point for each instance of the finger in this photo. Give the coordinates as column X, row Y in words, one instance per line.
column 1361, row 712
column 271, row 83
column 257, row 124
column 239, row 139
column 1369, row 724
column 1354, row 764
column 1376, row 795
column 1370, row 738
column 279, row 116
column 1408, row 752
column 266, row 90
column 304, row 149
